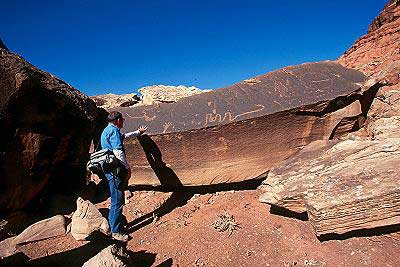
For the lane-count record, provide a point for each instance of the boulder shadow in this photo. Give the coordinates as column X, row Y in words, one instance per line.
column 276, row 210
column 167, row 177
column 377, row 231
column 166, row 263
column 18, row 259
column 78, row 256
column 168, row 180
column 142, row 258
column 74, row 257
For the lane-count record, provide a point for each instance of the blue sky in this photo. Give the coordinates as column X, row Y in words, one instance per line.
column 119, row 46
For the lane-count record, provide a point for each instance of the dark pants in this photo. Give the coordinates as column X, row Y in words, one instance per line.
column 117, row 201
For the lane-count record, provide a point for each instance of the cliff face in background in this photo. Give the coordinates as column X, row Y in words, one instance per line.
column 166, row 94
column 377, row 54
column 386, row 16
column 113, row 100
column 150, row 95
column 378, row 50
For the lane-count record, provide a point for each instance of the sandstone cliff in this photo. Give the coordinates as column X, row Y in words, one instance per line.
column 107, row 101
column 379, row 49
column 150, row 95
column 166, row 94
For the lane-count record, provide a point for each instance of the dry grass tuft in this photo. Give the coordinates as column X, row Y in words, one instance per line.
column 226, row 222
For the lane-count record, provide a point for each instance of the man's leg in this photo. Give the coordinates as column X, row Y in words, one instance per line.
column 117, row 202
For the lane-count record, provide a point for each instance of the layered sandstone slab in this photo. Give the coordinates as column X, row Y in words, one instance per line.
column 343, row 186
column 299, row 105
column 44, row 229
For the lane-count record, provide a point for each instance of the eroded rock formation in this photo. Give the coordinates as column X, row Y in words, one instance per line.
column 377, row 54
column 166, row 94
column 51, row 227
column 150, row 95
column 112, row 100
column 46, row 127
column 241, row 132
column 343, row 186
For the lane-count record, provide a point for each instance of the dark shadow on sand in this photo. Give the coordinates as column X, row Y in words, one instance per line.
column 377, row 231
column 166, row 263
column 276, row 210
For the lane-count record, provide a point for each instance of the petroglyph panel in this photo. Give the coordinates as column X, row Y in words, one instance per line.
column 240, row 132
column 273, row 92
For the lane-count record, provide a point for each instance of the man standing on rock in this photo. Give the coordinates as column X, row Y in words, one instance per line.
column 112, row 139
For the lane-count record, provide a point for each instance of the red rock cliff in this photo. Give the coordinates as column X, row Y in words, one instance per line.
column 379, row 49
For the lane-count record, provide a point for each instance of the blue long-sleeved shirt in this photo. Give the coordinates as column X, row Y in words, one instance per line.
column 112, row 139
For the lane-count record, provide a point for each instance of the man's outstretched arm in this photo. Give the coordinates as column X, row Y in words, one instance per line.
column 138, row 132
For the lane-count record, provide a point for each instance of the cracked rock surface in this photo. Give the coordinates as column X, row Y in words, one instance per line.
column 343, row 186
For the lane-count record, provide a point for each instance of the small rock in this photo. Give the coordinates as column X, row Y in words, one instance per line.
column 3, row 223
column 7, row 247
column 87, row 219
column 128, row 194
column 68, row 228
column 111, row 256
column 44, row 229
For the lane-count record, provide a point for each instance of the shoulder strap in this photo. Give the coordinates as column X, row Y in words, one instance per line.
column 98, row 145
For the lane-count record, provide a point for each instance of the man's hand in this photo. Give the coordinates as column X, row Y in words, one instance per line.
column 143, row 128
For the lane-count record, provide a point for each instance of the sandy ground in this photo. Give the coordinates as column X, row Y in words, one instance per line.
column 177, row 229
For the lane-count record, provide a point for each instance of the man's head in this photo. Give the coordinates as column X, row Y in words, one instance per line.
column 115, row 117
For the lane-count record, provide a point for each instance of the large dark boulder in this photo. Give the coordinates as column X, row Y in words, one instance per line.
column 46, row 129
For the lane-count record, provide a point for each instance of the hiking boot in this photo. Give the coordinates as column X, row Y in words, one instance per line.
column 120, row 237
